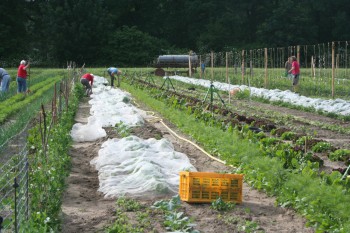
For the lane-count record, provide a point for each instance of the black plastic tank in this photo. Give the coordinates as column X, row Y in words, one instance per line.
column 177, row 61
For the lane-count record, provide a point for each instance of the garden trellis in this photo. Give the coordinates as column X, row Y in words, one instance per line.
column 16, row 169
column 324, row 68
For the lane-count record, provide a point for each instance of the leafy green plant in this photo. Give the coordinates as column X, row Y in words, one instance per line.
column 221, row 205
column 339, row 155
column 171, row 205
column 177, row 221
column 123, row 129
column 288, row 135
column 322, row 147
column 174, row 221
column 245, row 94
column 128, row 204
column 123, row 224
column 249, row 227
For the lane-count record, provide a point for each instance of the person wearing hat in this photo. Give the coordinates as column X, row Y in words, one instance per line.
column 5, row 80
column 112, row 71
column 87, row 80
column 22, row 77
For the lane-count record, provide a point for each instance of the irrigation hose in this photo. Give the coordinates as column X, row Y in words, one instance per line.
column 158, row 119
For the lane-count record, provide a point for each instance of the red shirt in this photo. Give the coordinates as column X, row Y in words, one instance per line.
column 296, row 69
column 22, row 72
column 89, row 77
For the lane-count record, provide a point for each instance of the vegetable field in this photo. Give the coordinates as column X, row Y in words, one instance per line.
column 293, row 159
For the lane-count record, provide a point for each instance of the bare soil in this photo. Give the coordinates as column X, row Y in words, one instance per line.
column 85, row 209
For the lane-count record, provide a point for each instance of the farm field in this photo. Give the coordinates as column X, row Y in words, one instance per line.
column 287, row 119
column 86, row 210
column 319, row 145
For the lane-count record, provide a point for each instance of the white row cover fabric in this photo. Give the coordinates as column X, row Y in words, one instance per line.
column 137, row 167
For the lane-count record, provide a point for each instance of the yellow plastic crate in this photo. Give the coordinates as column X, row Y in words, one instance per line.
column 205, row 187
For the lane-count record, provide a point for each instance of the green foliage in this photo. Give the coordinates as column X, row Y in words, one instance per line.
column 122, row 129
column 221, row 205
column 123, row 224
column 339, row 155
column 288, row 136
column 269, row 165
column 175, row 221
column 49, row 26
column 129, row 46
column 322, row 147
column 18, row 102
column 128, row 204
column 48, row 172
column 171, row 205
column 245, row 94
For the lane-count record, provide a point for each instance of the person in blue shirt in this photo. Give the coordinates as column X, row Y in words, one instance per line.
column 112, row 71
column 202, row 69
column 5, row 80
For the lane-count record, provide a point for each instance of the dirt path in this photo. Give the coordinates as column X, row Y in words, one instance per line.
column 85, row 210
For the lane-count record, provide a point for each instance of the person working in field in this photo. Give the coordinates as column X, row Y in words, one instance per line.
column 22, row 77
column 202, row 69
column 288, row 66
column 5, row 80
column 112, row 71
column 87, row 80
column 295, row 71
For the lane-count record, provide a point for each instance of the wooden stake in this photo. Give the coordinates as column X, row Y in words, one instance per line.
column 265, row 67
column 212, row 65
column 242, row 67
column 333, row 69
column 226, row 67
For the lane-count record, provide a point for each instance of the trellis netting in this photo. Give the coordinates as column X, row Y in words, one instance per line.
column 138, row 167
column 129, row 165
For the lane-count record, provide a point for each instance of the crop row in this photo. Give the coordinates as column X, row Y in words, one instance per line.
column 20, row 101
column 277, row 169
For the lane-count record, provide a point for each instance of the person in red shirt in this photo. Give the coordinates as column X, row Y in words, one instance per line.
column 87, row 80
column 295, row 71
column 22, row 77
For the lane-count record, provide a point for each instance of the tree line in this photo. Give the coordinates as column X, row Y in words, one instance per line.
column 133, row 32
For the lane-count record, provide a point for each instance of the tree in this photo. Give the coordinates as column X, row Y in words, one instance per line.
column 13, row 34
column 129, row 46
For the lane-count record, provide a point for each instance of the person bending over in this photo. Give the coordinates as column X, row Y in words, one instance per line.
column 112, row 71
column 87, row 80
